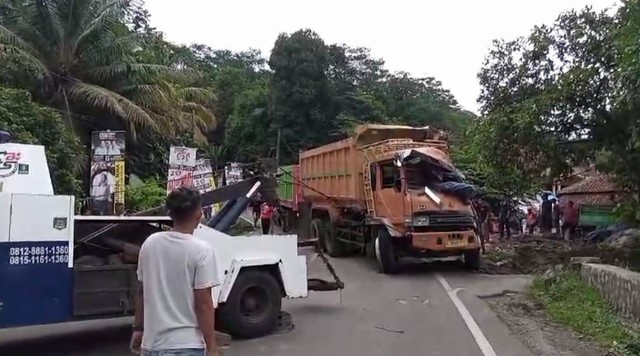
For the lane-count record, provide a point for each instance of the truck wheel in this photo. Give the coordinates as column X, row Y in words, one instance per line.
column 472, row 259
column 286, row 221
column 253, row 306
column 386, row 254
column 327, row 238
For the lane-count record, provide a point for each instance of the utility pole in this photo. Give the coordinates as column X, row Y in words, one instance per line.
column 278, row 149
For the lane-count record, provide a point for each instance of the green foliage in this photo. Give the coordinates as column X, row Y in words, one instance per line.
column 31, row 123
column 85, row 58
column 103, row 66
column 150, row 194
column 570, row 301
column 572, row 81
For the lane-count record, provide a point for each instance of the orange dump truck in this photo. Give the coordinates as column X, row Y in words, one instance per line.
column 392, row 192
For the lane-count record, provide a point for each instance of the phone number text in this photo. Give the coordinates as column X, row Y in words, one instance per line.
column 36, row 255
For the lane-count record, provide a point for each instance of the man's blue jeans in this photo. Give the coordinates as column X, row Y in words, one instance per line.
column 176, row 352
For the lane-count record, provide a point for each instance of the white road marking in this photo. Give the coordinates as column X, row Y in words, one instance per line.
column 473, row 327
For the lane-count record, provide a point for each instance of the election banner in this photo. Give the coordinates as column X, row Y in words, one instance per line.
column 203, row 176
column 107, row 171
column 182, row 157
column 233, row 173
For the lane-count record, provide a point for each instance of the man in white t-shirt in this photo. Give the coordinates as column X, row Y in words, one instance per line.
column 175, row 308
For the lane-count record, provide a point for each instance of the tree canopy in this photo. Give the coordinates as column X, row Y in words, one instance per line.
column 563, row 96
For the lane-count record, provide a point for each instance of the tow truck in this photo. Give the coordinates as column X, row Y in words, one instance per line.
column 57, row 267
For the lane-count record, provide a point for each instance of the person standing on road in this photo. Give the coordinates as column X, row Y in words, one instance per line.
column 256, row 205
column 570, row 215
column 546, row 218
column 532, row 220
column 266, row 213
column 175, row 310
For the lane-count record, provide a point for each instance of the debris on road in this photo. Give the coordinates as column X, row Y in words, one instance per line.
column 535, row 254
column 390, row 330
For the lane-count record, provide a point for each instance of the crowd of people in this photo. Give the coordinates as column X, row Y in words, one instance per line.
column 548, row 218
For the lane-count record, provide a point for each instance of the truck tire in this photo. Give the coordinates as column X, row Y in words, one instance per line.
column 388, row 259
column 285, row 219
column 253, row 306
column 472, row 259
column 323, row 231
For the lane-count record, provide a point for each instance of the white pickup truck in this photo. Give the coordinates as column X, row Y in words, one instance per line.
column 56, row 266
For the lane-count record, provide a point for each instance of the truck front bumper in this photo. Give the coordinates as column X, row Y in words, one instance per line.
column 445, row 241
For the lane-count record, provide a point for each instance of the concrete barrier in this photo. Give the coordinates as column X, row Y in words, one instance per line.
column 619, row 286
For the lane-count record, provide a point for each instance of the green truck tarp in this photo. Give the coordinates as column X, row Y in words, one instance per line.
column 285, row 183
column 596, row 216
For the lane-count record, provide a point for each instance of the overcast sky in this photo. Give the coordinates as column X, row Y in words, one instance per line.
column 444, row 39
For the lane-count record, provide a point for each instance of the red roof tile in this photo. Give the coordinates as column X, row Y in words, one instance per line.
column 596, row 184
column 589, row 199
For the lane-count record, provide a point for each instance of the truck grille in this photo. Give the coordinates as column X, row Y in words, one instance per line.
column 446, row 221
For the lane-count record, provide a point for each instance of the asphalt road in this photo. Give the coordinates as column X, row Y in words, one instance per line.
column 376, row 315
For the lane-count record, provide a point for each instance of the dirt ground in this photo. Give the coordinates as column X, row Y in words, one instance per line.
column 535, row 254
column 532, row 254
column 529, row 323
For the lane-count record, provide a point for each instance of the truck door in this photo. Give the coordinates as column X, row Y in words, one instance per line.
column 388, row 192
column 36, row 259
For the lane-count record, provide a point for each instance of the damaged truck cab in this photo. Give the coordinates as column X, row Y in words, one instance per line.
column 392, row 192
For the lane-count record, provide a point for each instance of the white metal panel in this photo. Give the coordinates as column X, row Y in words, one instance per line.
column 264, row 249
column 32, row 218
column 234, row 271
column 24, row 169
column 72, row 225
column 5, row 212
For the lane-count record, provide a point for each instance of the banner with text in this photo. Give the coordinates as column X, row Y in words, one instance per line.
column 107, row 171
column 233, row 173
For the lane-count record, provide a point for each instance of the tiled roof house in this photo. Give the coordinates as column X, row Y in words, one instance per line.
column 595, row 190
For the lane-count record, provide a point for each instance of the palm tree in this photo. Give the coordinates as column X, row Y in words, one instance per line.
column 84, row 55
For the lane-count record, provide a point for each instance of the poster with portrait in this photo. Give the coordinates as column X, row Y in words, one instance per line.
column 233, row 173
column 107, row 146
column 107, row 171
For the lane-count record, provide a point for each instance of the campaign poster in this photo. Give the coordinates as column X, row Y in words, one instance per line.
column 233, row 173
column 107, row 171
column 179, row 177
column 182, row 162
column 182, row 156
column 203, row 176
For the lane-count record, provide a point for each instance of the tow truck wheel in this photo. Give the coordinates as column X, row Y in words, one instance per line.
column 386, row 255
column 472, row 259
column 253, row 306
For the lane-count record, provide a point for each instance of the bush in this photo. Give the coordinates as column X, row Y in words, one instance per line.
column 30, row 123
column 146, row 196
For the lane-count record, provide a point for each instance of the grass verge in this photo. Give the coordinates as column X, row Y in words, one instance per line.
column 570, row 301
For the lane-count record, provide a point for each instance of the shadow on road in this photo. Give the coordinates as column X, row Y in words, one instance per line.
column 417, row 267
column 86, row 343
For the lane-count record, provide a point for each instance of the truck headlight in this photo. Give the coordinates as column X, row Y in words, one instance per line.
column 421, row 220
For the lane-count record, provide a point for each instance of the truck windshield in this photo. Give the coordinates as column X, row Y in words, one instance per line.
column 424, row 174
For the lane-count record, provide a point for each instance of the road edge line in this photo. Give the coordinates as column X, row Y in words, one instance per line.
column 481, row 340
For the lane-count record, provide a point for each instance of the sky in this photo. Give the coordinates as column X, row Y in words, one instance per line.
column 447, row 40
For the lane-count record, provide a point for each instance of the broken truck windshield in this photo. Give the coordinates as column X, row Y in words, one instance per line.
column 425, row 174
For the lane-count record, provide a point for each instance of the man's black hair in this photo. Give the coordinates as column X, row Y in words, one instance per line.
column 182, row 202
